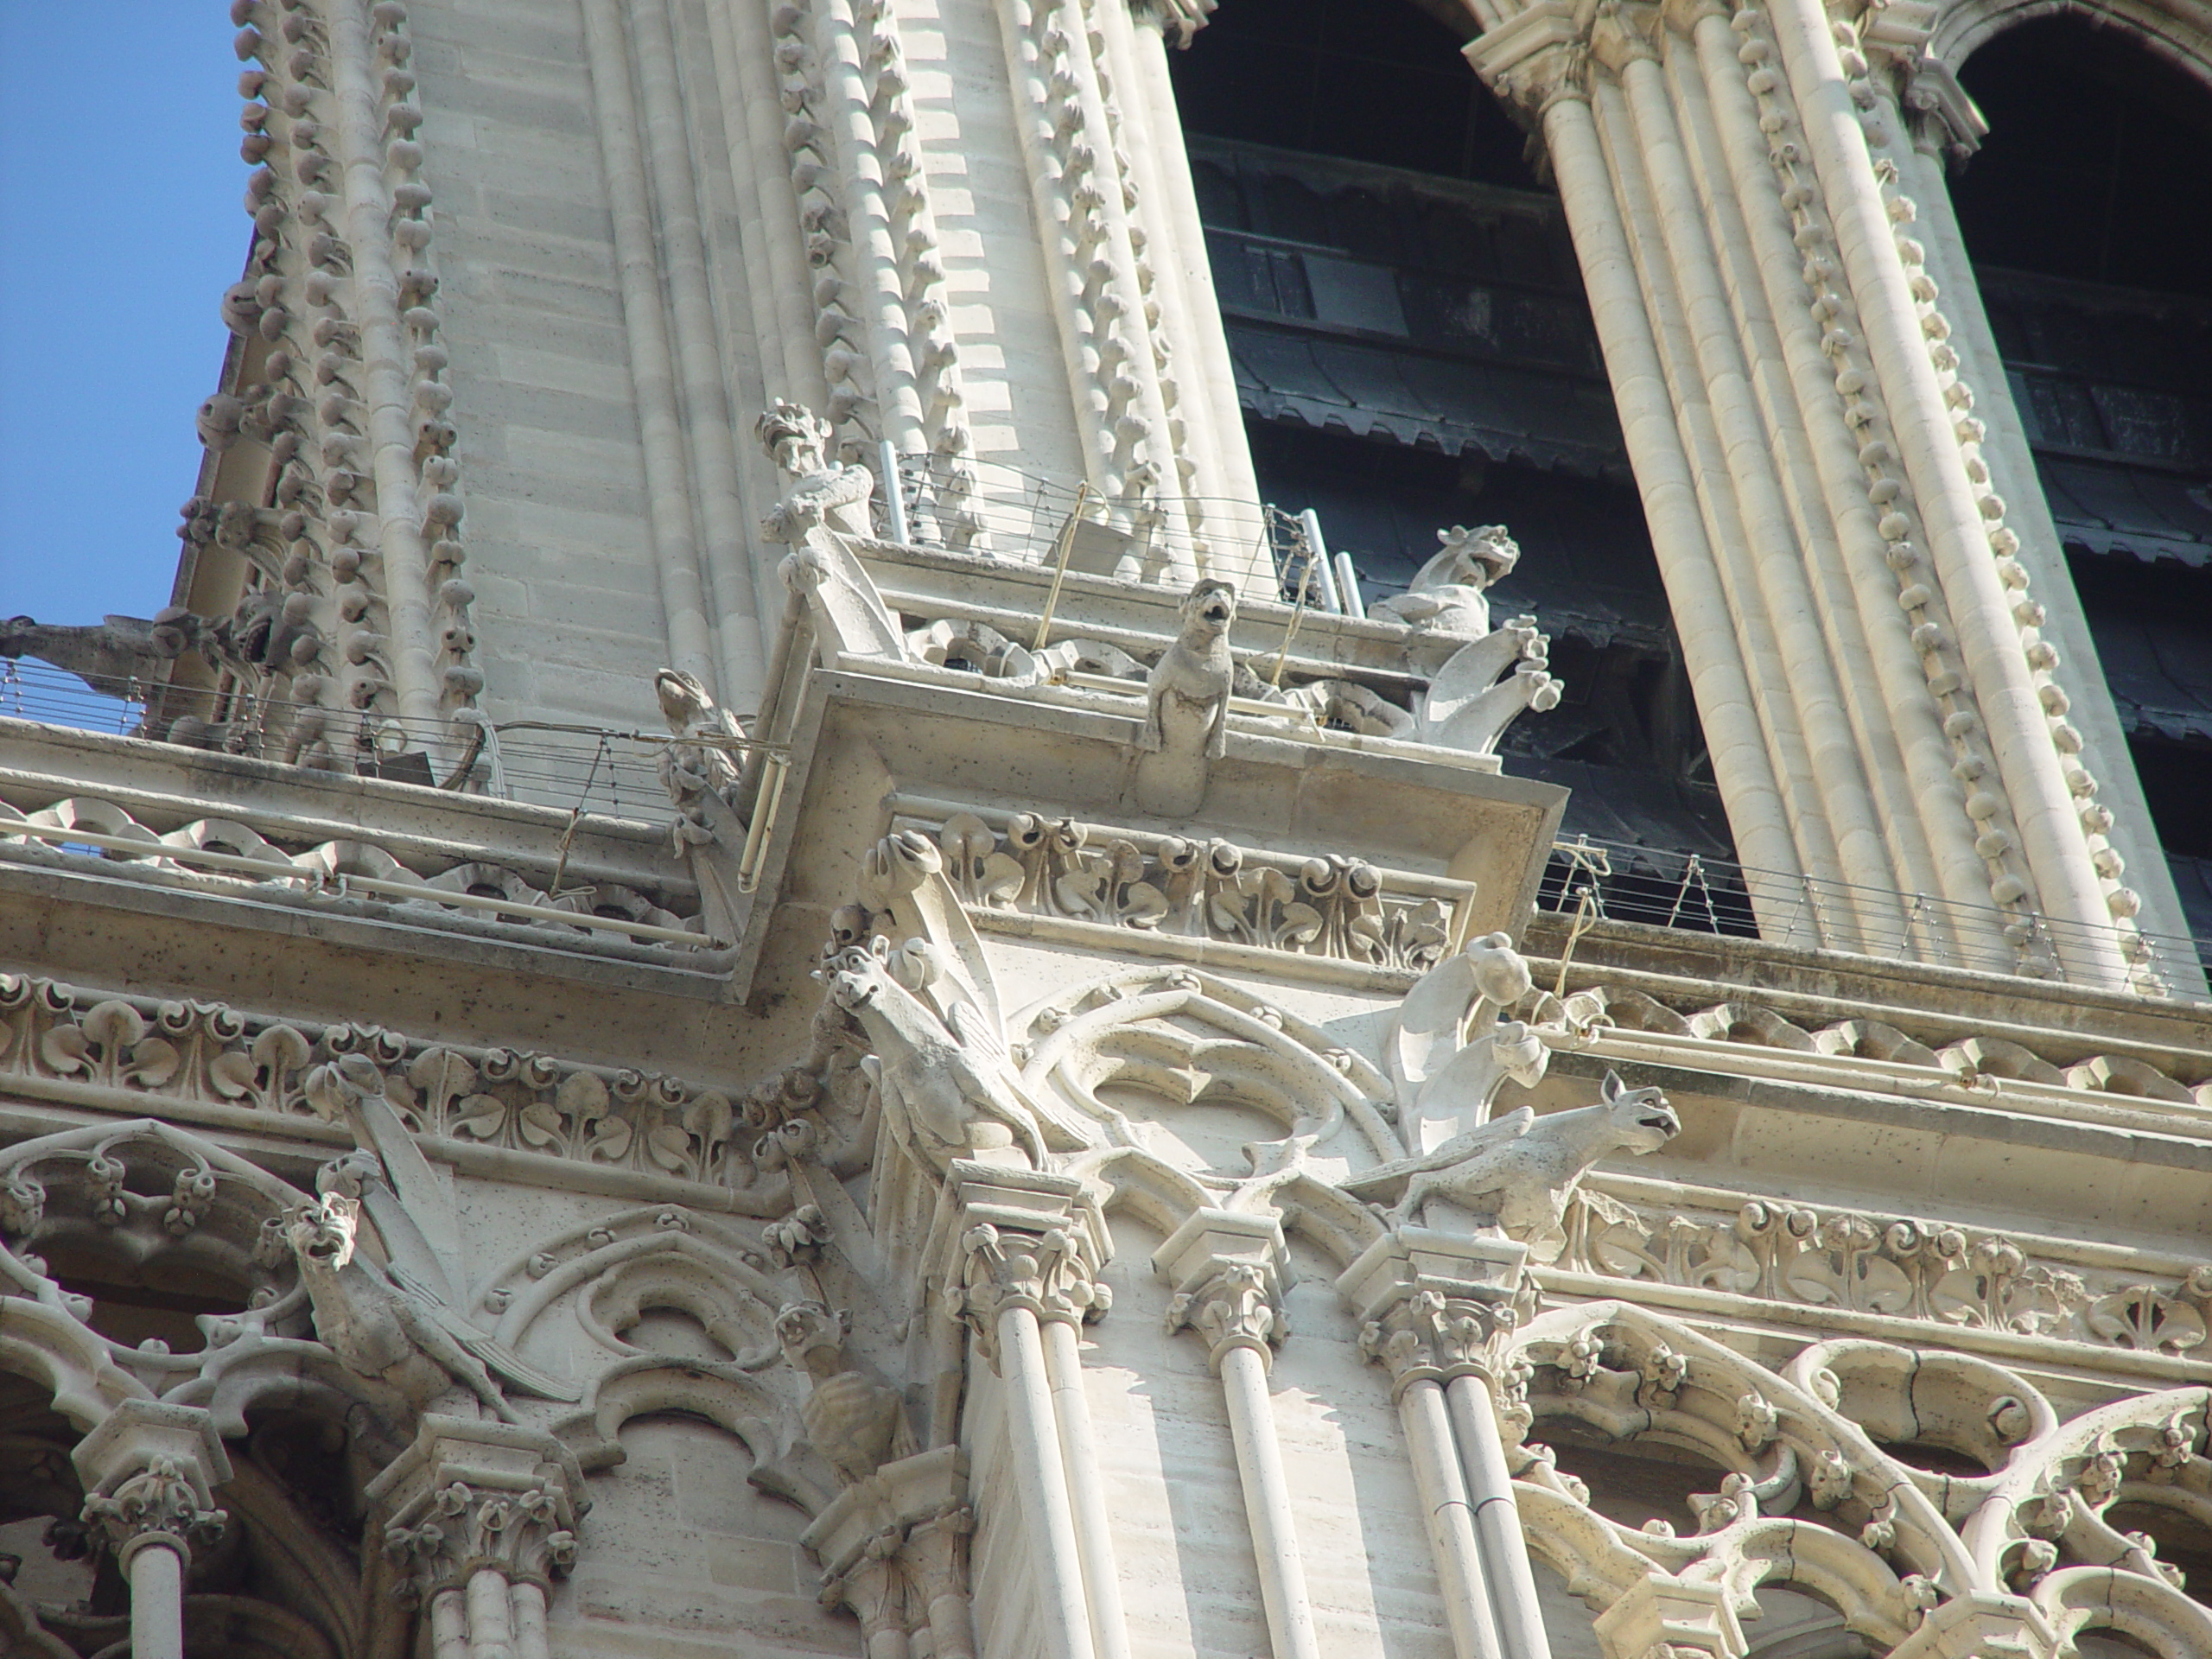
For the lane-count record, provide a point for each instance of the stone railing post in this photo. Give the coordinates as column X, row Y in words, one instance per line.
column 1228, row 1271
column 1023, row 1246
column 150, row 1472
column 481, row 1516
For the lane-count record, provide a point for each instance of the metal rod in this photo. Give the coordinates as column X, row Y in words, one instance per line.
column 894, row 500
column 1060, row 567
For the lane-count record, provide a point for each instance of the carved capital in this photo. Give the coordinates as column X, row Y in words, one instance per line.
column 1622, row 34
column 912, row 1513
column 1945, row 122
column 1228, row 1270
column 1435, row 1306
column 149, row 1471
column 1536, row 56
column 1016, row 1239
column 1664, row 1618
column 471, row 1494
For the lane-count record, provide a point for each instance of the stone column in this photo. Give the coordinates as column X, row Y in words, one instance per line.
column 1022, row 1243
column 481, row 1516
column 1876, row 687
column 1434, row 1308
column 1228, row 1270
column 149, row 1471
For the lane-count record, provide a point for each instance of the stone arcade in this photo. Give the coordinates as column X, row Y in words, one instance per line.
column 917, row 1035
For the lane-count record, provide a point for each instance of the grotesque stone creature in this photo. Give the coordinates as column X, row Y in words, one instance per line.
column 856, row 1421
column 701, row 777
column 1187, row 701
column 1517, row 1174
column 1450, row 595
column 386, row 1331
column 821, row 493
column 953, row 1098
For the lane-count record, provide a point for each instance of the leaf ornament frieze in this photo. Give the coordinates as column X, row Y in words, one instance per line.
column 1879, row 1269
column 205, row 1062
column 1332, row 905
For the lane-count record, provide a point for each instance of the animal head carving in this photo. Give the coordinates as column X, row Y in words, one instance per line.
column 1208, row 609
column 682, row 697
column 324, row 1233
column 794, row 435
column 1501, row 972
column 812, row 1335
column 1642, row 1117
column 1472, row 558
column 856, row 975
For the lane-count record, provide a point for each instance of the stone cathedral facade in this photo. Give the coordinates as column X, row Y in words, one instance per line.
column 774, row 973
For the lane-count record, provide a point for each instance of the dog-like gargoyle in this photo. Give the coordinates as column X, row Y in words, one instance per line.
column 1517, row 1173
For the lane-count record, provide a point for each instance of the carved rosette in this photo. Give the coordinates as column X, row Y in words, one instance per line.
column 1022, row 1239
column 470, row 1494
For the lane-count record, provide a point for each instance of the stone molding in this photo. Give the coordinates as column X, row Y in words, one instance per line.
column 204, row 1059
column 1889, row 1269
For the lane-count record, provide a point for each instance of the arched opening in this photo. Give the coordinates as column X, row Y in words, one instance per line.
column 2088, row 212
column 1413, row 350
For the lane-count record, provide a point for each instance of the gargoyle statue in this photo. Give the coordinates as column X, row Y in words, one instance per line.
column 856, row 1421
column 1517, row 1173
column 398, row 1335
column 949, row 1094
column 1186, row 704
column 701, row 777
column 820, row 491
column 1446, row 606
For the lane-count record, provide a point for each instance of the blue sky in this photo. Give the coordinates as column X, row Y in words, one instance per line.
column 120, row 226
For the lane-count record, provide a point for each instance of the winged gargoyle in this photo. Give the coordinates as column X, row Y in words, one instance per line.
column 396, row 1334
column 1517, row 1173
column 929, row 1007
column 397, row 1320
